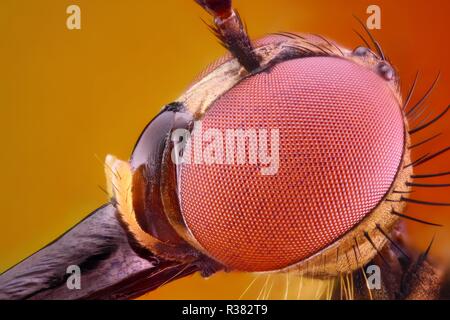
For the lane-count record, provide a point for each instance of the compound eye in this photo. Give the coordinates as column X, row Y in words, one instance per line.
column 289, row 161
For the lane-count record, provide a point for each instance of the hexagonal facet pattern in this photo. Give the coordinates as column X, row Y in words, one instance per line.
column 341, row 142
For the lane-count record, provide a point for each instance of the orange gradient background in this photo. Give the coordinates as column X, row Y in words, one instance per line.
column 68, row 98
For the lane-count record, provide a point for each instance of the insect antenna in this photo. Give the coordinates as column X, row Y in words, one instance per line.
column 401, row 215
column 231, row 31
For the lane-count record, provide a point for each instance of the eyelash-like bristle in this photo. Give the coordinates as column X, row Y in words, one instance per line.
column 303, row 50
column 402, row 192
column 408, row 217
column 431, row 175
column 367, row 236
column 379, row 228
column 289, row 35
column 424, row 141
column 348, row 259
column 426, row 125
column 425, row 97
column 425, row 185
column 319, row 48
column 425, row 118
column 414, row 116
column 329, row 43
column 337, row 260
column 411, row 91
column 425, row 254
column 362, row 38
column 430, row 157
column 372, row 38
column 428, row 203
column 412, row 164
column 356, row 255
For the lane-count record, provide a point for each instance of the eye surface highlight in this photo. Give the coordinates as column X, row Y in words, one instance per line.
column 341, row 144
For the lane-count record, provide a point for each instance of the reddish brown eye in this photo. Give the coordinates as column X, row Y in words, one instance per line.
column 341, row 142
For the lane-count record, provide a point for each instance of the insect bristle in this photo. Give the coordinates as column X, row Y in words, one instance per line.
column 408, row 217
column 367, row 236
column 429, row 157
column 423, row 202
column 425, row 96
column 431, row 175
column 385, row 234
column 418, row 144
column 426, row 125
column 411, row 91
column 372, row 38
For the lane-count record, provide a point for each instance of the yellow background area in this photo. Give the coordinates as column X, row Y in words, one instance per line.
column 68, row 98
